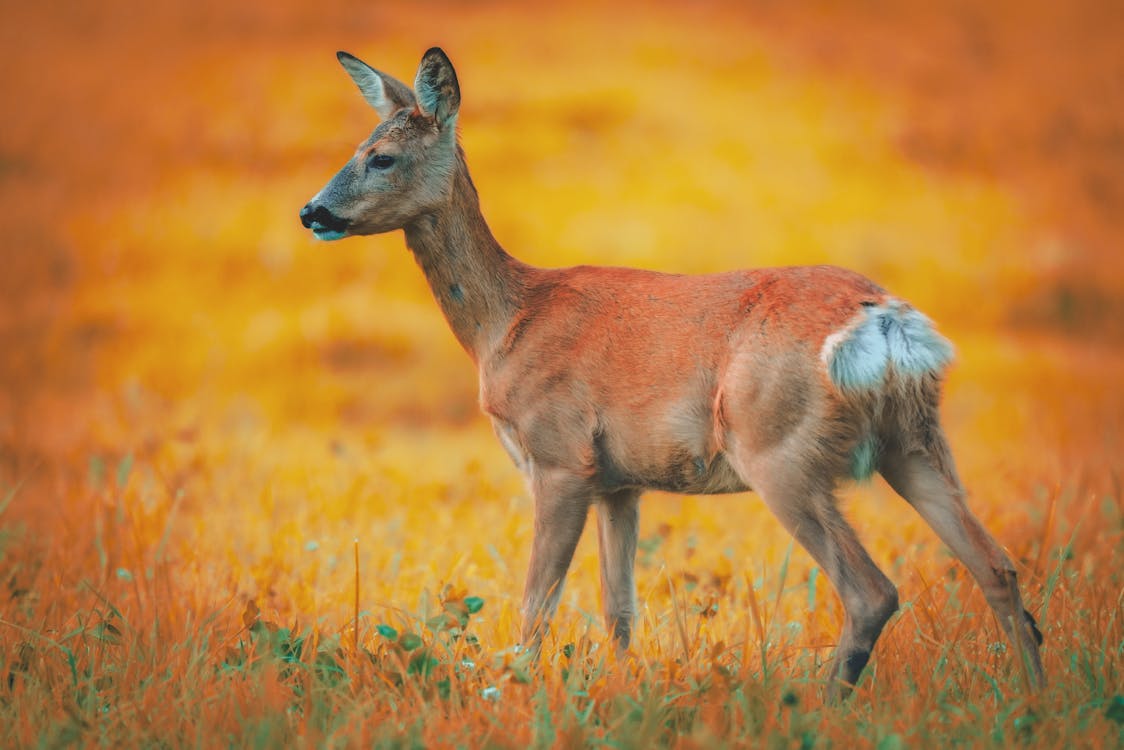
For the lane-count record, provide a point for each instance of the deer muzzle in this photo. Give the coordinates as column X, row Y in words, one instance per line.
column 324, row 224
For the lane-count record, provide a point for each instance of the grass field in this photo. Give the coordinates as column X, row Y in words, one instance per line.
column 216, row 434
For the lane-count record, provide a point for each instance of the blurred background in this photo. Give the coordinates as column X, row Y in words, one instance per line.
column 166, row 323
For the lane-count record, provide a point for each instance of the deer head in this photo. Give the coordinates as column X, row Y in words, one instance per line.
column 405, row 168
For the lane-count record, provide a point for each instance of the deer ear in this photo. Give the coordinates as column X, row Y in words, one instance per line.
column 382, row 92
column 439, row 94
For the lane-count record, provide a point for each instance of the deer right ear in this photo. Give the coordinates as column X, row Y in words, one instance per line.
column 382, row 92
column 439, row 94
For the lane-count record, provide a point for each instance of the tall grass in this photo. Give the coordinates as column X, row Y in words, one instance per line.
column 108, row 641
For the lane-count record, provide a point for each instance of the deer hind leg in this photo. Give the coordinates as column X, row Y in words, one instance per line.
column 618, row 527
column 806, row 506
column 927, row 480
column 561, row 505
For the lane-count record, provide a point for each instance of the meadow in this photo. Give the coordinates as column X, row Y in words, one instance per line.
column 247, row 498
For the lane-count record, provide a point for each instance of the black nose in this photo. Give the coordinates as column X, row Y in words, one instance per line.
column 306, row 215
column 323, row 217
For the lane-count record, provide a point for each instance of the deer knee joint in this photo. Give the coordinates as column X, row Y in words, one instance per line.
column 1007, row 585
column 880, row 606
column 883, row 608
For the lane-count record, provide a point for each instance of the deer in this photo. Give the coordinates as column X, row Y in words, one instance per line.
column 603, row 382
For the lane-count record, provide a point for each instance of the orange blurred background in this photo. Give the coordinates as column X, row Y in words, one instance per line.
column 161, row 307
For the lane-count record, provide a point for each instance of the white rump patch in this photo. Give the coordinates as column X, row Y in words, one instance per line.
column 883, row 337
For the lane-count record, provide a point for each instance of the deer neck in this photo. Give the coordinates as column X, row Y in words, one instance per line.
column 478, row 286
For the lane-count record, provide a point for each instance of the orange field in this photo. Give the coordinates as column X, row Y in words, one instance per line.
column 205, row 415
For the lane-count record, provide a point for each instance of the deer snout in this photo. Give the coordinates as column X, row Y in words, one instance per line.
column 324, row 224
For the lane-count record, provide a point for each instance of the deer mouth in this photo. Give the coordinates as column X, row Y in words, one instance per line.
column 326, row 234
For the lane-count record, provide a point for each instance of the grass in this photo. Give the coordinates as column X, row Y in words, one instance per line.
column 114, row 642
column 246, row 498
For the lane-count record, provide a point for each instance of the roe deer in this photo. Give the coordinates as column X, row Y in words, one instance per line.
column 602, row 382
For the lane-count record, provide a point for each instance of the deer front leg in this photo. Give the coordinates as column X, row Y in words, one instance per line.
column 618, row 528
column 561, row 506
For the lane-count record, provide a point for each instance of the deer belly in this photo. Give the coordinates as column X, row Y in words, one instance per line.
column 672, row 454
column 678, row 472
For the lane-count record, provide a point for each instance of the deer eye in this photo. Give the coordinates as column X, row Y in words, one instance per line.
column 380, row 161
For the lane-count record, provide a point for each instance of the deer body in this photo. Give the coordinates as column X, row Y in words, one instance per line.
column 643, row 380
column 603, row 382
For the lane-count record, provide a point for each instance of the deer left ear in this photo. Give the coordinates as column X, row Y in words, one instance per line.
column 382, row 92
column 439, row 94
